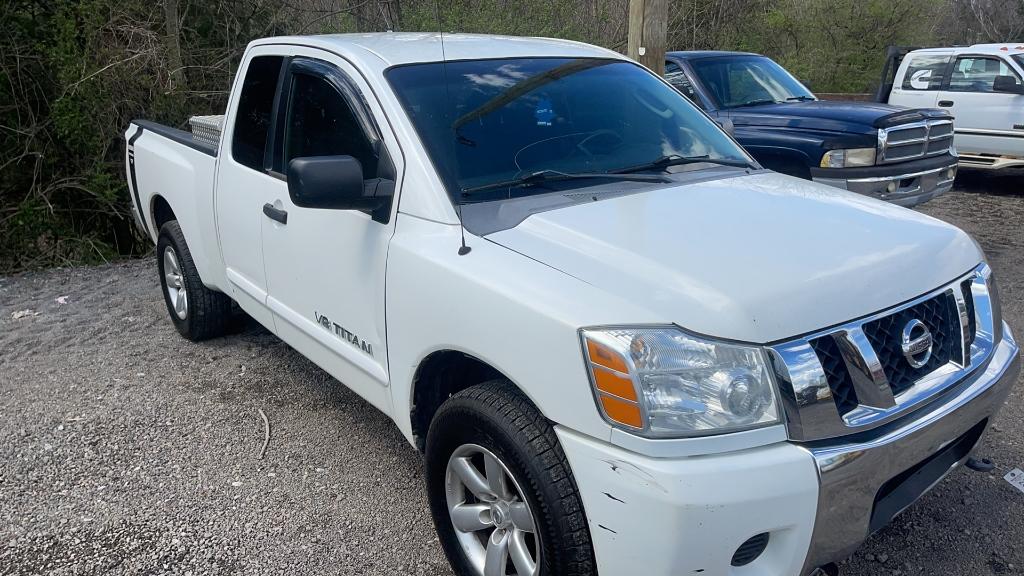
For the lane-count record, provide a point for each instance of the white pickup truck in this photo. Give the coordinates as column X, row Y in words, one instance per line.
column 623, row 346
column 982, row 85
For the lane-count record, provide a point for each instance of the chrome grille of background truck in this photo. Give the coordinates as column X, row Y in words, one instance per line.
column 915, row 140
column 867, row 372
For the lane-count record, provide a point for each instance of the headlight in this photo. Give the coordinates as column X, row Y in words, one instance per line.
column 662, row 382
column 848, row 158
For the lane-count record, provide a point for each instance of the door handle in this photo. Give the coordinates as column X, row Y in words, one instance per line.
column 945, row 103
column 275, row 213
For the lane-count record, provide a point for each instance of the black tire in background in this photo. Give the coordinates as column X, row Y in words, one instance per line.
column 207, row 312
column 498, row 418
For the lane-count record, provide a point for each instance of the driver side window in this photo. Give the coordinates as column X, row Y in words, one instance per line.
column 676, row 77
column 320, row 122
column 978, row 74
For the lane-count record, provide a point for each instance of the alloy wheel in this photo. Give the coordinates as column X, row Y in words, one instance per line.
column 174, row 284
column 493, row 521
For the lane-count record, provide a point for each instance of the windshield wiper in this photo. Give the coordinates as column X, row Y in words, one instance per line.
column 757, row 102
column 556, row 176
column 677, row 160
column 800, row 98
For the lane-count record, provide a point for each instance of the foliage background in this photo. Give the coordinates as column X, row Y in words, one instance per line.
column 73, row 73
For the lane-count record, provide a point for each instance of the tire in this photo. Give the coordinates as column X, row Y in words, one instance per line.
column 196, row 311
column 494, row 418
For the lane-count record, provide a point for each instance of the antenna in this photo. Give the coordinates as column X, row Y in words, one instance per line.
column 463, row 249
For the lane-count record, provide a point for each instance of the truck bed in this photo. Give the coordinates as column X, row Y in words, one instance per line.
column 171, row 167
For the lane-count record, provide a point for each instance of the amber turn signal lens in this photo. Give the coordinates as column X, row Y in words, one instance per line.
column 614, row 384
column 622, row 411
column 605, row 356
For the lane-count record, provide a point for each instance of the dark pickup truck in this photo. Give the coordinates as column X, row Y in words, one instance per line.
column 905, row 156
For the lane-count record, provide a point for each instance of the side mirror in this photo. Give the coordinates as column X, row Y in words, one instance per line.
column 329, row 182
column 727, row 125
column 1007, row 84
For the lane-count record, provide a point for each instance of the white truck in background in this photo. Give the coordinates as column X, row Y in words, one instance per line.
column 623, row 346
column 982, row 85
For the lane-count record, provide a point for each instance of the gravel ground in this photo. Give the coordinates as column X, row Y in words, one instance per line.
column 127, row 450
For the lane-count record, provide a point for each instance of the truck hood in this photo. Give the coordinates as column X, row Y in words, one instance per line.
column 758, row 258
column 855, row 117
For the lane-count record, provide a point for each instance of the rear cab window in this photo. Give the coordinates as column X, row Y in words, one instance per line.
column 925, row 72
column 255, row 108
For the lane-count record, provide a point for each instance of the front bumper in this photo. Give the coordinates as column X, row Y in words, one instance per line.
column 991, row 161
column 905, row 184
column 817, row 503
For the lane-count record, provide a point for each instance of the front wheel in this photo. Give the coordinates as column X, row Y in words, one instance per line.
column 501, row 491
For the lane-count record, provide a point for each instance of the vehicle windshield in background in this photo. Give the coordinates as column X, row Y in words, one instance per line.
column 1019, row 58
column 748, row 81
column 511, row 120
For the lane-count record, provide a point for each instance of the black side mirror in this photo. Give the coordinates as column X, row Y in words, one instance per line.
column 726, row 124
column 329, row 182
column 1007, row 84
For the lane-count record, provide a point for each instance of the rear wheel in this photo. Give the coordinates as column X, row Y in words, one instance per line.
column 501, row 492
column 197, row 312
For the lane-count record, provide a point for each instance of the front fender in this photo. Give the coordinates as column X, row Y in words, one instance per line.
column 517, row 315
column 804, row 147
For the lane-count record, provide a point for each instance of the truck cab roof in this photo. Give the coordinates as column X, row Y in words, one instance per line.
column 696, row 54
column 995, row 49
column 385, row 49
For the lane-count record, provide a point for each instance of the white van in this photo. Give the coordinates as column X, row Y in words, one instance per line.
column 983, row 86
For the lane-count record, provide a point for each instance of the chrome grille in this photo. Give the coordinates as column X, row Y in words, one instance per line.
column 941, row 317
column 856, row 376
column 915, row 140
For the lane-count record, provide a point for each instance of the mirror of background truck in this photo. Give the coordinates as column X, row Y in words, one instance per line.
column 1007, row 84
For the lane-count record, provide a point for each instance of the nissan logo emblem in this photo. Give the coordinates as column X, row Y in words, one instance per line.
column 916, row 343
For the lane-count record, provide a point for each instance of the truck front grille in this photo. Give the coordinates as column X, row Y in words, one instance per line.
column 858, row 375
column 915, row 140
column 941, row 317
column 839, row 381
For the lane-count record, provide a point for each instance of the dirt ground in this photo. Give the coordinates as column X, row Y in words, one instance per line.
column 125, row 449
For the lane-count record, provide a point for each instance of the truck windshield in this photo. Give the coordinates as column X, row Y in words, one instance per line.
column 506, row 120
column 1019, row 59
column 749, row 81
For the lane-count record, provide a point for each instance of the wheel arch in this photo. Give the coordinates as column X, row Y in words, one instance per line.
column 160, row 213
column 438, row 376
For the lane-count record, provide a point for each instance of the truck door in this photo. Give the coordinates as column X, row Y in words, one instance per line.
column 985, row 120
column 244, row 184
column 326, row 266
column 921, row 79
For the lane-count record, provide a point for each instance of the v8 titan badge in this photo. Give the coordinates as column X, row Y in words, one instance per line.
column 1016, row 478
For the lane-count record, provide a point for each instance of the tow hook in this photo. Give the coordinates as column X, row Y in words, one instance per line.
column 980, row 464
column 830, row 569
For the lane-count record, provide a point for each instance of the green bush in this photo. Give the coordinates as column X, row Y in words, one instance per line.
column 73, row 73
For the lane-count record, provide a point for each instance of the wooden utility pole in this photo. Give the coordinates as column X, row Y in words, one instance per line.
column 173, row 43
column 648, row 33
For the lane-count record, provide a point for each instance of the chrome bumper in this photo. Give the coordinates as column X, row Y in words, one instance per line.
column 907, row 189
column 990, row 161
column 865, row 484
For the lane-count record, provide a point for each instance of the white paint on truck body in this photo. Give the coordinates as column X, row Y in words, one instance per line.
column 755, row 258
